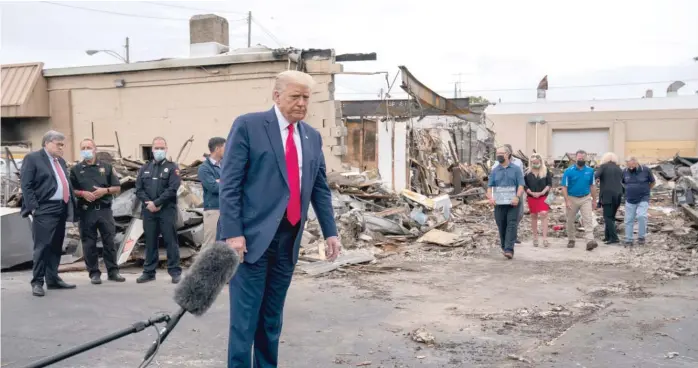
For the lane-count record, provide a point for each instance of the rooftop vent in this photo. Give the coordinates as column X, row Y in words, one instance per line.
column 208, row 35
column 673, row 89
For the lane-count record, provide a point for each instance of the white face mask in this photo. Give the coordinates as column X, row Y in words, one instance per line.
column 159, row 154
column 87, row 154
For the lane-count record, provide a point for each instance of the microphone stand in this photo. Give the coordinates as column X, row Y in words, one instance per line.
column 136, row 327
column 172, row 322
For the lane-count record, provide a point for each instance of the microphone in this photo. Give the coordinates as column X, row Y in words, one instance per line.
column 213, row 267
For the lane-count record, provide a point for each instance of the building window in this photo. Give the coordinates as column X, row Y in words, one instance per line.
column 147, row 152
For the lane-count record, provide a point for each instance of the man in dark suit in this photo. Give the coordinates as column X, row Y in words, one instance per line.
column 273, row 169
column 47, row 195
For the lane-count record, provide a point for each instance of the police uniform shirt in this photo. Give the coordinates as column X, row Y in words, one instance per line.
column 86, row 176
column 158, row 182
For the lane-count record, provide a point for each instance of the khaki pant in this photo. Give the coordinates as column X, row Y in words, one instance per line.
column 210, row 225
column 578, row 204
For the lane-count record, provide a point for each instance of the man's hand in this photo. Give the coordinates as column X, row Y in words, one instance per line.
column 99, row 192
column 515, row 201
column 333, row 247
column 88, row 196
column 151, row 206
column 568, row 204
column 594, row 205
column 238, row 244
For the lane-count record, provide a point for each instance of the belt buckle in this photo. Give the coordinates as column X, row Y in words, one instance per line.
column 98, row 207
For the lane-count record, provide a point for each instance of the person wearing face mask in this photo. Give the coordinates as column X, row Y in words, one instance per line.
column 638, row 181
column 579, row 190
column 505, row 188
column 539, row 182
column 156, row 188
column 518, row 163
column 94, row 184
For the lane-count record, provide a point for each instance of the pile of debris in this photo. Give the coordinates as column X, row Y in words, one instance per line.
column 436, row 165
column 375, row 223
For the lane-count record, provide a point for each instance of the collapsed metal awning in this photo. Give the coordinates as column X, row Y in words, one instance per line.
column 24, row 91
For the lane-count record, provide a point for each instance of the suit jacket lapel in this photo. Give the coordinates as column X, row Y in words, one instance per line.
column 272, row 127
column 47, row 161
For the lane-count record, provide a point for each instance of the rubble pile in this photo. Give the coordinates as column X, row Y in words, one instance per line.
column 435, row 164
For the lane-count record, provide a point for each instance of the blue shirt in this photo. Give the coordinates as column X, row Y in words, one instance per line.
column 209, row 172
column 510, row 176
column 578, row 181
column 58, row 195
column 637, row 184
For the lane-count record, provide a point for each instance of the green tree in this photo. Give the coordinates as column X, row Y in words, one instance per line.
column 478, row 100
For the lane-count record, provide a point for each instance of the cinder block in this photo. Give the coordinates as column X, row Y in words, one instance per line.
column 338, row 131
column 339, row 150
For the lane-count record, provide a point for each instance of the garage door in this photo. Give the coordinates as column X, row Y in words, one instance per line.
column 594, row 141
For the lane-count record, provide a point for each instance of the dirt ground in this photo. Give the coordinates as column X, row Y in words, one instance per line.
column 554, row 307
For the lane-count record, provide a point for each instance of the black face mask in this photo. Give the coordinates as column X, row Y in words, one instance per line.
column 500, row 159
column 581, row 163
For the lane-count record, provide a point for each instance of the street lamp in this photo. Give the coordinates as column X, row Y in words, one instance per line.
column 113, row 53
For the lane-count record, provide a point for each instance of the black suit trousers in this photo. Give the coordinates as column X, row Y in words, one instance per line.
column 48, row 230
column 610, row 208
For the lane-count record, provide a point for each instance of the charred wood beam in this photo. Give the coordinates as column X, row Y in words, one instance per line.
column 427, row 96
column 396, row 108
column 356, row 57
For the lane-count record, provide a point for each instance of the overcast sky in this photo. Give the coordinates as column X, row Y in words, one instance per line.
column 501, row 48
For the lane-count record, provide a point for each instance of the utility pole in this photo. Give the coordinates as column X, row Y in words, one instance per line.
column 249, row 29
column 128, row 51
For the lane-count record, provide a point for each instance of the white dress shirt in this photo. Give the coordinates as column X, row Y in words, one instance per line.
column 58, row 195
column 283, row 127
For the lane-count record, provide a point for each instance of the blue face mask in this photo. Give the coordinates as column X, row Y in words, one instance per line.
column 159, row 154
column 87, row 154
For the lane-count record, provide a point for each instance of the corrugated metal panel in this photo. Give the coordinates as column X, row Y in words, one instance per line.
column 18, row 81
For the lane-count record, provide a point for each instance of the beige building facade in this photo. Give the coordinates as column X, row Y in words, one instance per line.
column 651, row 129
column 175, row 98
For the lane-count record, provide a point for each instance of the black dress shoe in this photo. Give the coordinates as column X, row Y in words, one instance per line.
column 38, row 290
column 176, row 279
column 116, row 277
column 60, row 284
column 612, row 242
column 96, row 279
column 144, row 278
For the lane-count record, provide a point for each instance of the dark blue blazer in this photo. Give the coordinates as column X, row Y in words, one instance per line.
column 254, row 189
column 39, row 183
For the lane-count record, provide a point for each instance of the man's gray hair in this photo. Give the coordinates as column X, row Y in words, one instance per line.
column 287, row 77
column 507, row 147
column 51, row 136
column 631, row 158
column 158, row 138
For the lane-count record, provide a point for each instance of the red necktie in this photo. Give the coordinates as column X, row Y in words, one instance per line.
column 61, row 174
column 293, row 211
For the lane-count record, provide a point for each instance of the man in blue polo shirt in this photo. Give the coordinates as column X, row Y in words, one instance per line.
column 580, row 195
column 638, row 181
column 504, row 190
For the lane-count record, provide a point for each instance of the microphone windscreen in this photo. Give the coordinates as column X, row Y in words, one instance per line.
column 213, row 267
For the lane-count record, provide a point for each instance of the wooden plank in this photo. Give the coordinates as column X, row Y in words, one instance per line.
column 348, row 258
column 440, row 237
column 133, row 233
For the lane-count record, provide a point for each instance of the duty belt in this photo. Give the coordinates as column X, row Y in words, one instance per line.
column 96, row 207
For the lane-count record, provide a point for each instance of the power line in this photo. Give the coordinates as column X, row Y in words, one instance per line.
column 197, row 9
column 122, row 14
column 552, row 87
column 276, row 40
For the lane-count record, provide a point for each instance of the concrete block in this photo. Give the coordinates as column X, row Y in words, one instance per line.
column 337, row 132
column 339, row 150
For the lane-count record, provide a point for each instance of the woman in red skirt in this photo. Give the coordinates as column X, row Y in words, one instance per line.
column 539, row 182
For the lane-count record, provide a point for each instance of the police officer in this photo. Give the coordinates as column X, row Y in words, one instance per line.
column 156, row 187
column 95, row 183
